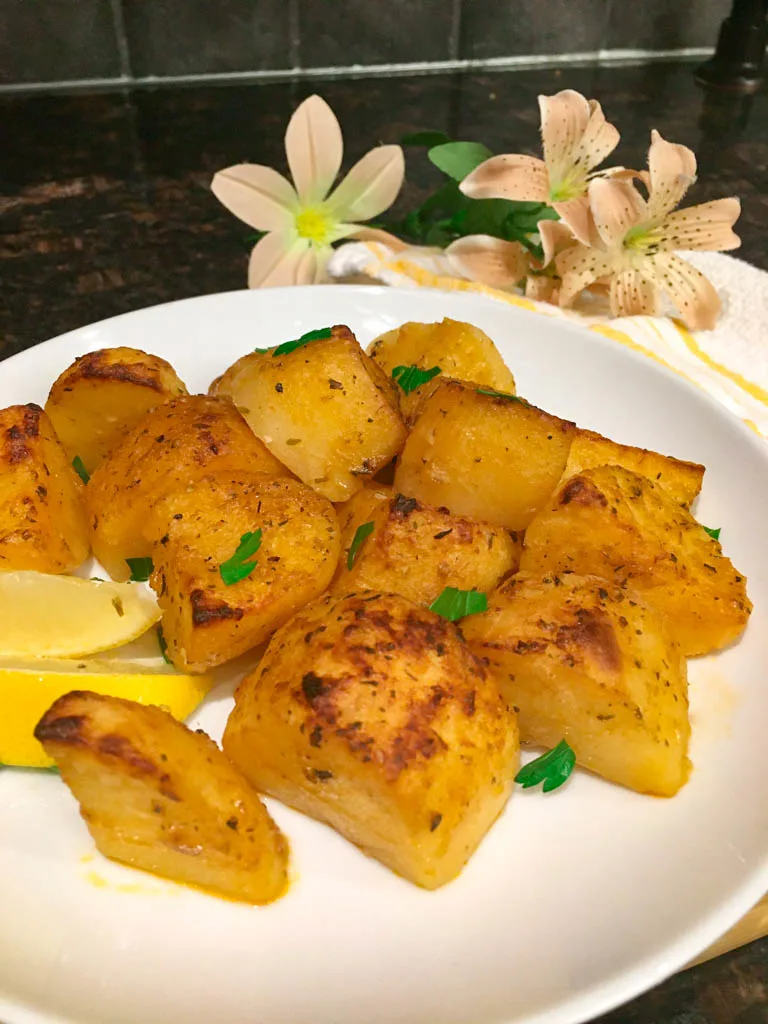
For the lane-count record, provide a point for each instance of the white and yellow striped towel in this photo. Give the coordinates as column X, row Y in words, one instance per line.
column 731, row 362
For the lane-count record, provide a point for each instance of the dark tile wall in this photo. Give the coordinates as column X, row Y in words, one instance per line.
column 67, row 40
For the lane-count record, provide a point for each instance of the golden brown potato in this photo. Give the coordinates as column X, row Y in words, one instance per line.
column 616, row 524
column 207, row 621
column 171, row 447
column 493, row 458
column 681, row 480
column 589, row 661
column 418, row 550
column 459, row 349
column 160, row 797
column 102, row 395
column 326, row 410
column 370, row 714
column 43, row 524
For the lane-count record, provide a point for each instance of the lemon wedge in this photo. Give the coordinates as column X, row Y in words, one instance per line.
column 27, row 690
column 44, row 616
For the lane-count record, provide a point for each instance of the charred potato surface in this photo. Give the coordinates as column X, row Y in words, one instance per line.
column 43, row 524
column 590, row 661
column 162, row 798
column 370, row 713
column 102, row 395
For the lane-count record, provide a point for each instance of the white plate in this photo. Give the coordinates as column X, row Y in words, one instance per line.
column 574, row 903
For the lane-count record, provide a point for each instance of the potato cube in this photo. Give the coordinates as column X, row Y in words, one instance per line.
column 325, row 410
column 370, row 713
column 590, row 661
column 102, row 395
column 610, row 522
column 491, row 457
column 209, row 617
column 418, row 550
column 43, row 524
column 162, row 798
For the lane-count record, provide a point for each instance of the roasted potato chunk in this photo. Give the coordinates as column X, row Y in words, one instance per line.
column 491, row 457
column 325, row 409
column 613, row 523
column 681, row 480
column 162, row 798
column 208, row 618
column 459, row 349
column 418, row 550
column 43, row 524
column 102, row 395
column 168, row 450
column 370, row 714
column 590, row 661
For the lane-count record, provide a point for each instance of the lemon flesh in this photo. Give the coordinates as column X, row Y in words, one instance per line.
column 27, row 690
column 44, row 616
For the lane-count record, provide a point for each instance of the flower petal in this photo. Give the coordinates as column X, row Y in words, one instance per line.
column 314, row 147
column 576, row 213
column 371, row 186
column 542, row 288
column 511, row 176
column 257, row 195
column 632, row 295
column 490, row 260
column 693, row 294
column 616, row 206
column 555, row 236
column 599, row 140
column 366, row 234
column 275, row 260
column 564, row 118
column 578, row 267
column 673, row 170
column 706, row 226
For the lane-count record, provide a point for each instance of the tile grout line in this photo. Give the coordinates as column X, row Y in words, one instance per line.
column 121, row 38
column 454, row 37
column 489, row 64
column 294, row 35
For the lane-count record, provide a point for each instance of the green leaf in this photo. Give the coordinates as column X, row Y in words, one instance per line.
column 458, row 159
column 411, row 377
column 237, row 568
column 262, row 350
column 714, row 534
column 427, row 138
column 357, row 542
column 163, row 645
column 141, row 569
column 454, row 604
column 498, row 394
column 291, row 346
column 79, row 468
column 552, row 768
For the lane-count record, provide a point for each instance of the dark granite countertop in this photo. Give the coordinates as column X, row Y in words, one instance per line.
column 105, row 207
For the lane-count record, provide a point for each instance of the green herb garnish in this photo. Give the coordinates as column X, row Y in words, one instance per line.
column 454, row 604
column 714, row 534
column 357, row 541
column 141, row 569
column 237, row 567
column 497, row 394
column 79, row 468
column 552, row 768
column 163, row 645
column 291, row 346
column 411, row 377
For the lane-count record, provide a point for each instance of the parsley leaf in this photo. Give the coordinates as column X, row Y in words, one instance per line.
column 141, row 569
column 714, row 534
column 79, row 468
column 497, row 394
column 291, row 346
column 163, row 645
column 411, row 377
column 261, row 351
column 237, row 568
column 552, row 768
column 357, row 542
column 454, row 604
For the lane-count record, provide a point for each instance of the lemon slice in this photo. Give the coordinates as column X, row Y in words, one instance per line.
column 44, row 616
column 27, row 690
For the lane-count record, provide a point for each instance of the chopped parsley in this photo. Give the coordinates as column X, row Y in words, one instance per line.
column 455, row 604
column 714, row 534
column 291, row 346
column 141, row 569
column 163, row 645
column 237, row 567
column 357, row 542
column 79, row 467
column 411, row 377
column 553, row 768
column 497, row 394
